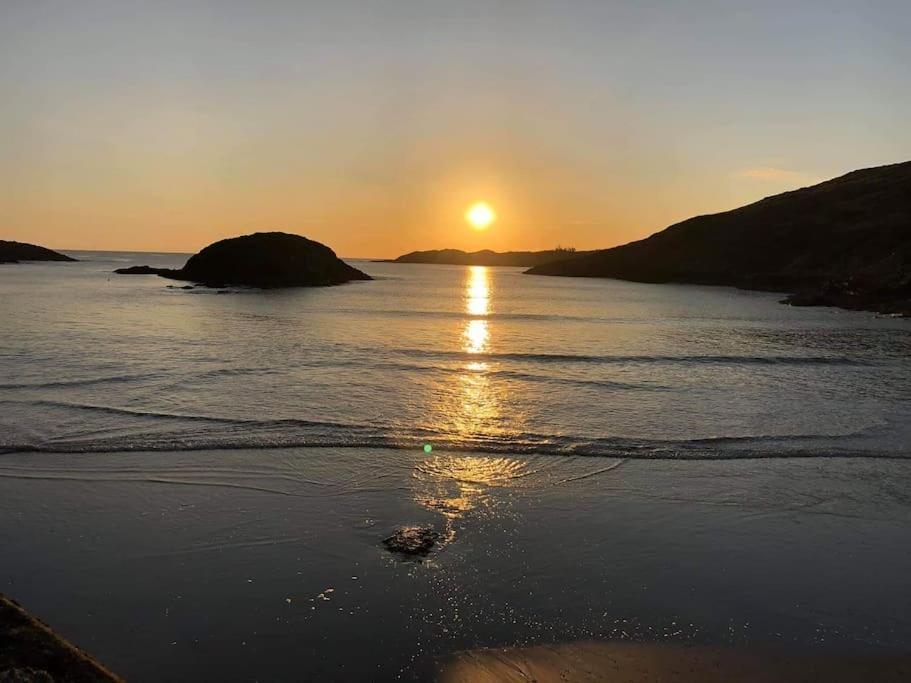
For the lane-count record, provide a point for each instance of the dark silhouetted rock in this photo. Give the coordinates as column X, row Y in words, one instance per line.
column 857, row 296
column 264, row 259
column 845, row 242
column 146, row 270
column 13, row 252
column 31, row 651
column 486, row 257
column 412, row 540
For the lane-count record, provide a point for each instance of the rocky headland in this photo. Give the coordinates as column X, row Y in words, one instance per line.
column 844, row 242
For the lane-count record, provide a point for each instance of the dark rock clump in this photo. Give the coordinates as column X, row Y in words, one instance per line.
column 265, row 259
column 146, row 270
column 412, row 540
column 850, row 294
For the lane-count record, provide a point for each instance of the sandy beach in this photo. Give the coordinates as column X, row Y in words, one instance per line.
column 591, row 662
column 234, row 565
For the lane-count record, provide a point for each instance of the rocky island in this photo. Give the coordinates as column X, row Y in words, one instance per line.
column 264, row 259
column 14, row 252
column 486, row 257
column 844, row 242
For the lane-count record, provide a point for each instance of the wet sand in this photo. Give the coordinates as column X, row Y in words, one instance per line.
column 269, row 564
column 665, row 663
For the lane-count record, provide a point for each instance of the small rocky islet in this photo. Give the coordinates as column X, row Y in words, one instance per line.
column 266, row 260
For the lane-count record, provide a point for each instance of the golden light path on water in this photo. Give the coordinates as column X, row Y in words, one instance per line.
column 480, row 408
column 455, row 484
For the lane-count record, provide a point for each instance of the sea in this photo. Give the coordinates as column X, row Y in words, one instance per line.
column 454, row 358
column 196, row 484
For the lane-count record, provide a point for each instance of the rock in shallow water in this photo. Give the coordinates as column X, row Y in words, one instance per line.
column 144, row 270
column 412, row 540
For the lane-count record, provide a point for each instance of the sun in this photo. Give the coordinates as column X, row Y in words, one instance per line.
column 480, row 215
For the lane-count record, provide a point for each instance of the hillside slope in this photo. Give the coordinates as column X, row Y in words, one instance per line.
column 844, row 242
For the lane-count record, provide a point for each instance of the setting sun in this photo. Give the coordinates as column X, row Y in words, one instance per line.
column 480, row 215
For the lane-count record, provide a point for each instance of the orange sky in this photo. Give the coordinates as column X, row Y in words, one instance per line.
column 167, row 126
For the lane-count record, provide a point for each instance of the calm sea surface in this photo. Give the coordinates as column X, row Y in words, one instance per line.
column 195, row 485
column 480, row 359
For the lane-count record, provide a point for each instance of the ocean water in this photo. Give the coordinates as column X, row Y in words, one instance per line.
column 195, row 484
column 463, row 359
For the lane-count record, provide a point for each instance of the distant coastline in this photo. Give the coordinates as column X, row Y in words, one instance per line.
column 486, row 257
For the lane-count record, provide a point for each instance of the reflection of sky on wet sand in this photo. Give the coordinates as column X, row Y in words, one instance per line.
column 454, row 485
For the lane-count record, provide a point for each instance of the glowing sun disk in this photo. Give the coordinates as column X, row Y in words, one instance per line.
column 480, row 215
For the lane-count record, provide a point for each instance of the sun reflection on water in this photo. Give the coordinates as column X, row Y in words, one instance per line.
column 477, row 334
column 479, row 409
column 470, row 411
column 477, row 291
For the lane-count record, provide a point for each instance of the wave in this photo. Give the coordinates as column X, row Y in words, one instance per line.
column 494, row 316
column 140, row 377
column 583, row 358
column 206, row 433
column 133, row 412
column 84, row 382
column 505, row 374
column 464, row 356
column 643, row 452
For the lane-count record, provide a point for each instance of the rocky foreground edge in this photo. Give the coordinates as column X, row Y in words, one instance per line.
column 31, row 651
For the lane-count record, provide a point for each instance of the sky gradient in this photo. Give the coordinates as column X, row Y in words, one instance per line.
column 371, row 126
